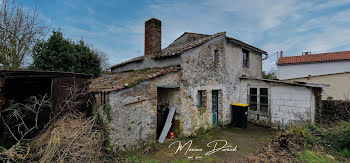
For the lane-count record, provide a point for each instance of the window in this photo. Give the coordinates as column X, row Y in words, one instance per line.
column 264, row 101
column 259, row 99
column 216, row 56
column 200, row 99
column 253, row 100
column 245, row 57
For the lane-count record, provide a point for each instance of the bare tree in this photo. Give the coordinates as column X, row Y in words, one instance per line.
column 19, row 30
column 103, row 59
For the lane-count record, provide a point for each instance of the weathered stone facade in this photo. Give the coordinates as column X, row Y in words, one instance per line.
column 134, row 112
column 210, row 78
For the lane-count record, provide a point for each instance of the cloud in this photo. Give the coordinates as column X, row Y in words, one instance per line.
column 91, row 11
column 69, row 4
column 289, row 25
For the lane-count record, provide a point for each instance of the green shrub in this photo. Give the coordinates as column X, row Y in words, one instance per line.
column 315, row 128
column 339, row 136
column 315, row 157
column 346, row 153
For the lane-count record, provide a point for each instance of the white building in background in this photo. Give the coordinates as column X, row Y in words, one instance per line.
column 326, row 68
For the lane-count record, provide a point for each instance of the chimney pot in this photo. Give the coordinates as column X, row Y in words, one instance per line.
column 153, row 36
column 306, row 53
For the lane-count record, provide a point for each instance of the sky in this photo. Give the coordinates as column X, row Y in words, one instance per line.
column 117, row 27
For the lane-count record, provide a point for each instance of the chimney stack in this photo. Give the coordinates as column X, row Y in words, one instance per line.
column 306, row 53
column 153, row 36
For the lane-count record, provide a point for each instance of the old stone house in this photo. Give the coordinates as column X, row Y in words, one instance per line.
column 201, row 76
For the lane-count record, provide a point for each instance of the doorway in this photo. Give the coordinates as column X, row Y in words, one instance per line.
column 215, row 106
column 167, row 98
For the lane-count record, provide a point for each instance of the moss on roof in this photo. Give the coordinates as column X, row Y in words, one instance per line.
column 121, row 80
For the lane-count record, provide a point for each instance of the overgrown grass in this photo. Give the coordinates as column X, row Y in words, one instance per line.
column 315, row 157
column 338, row 137
column 335, row 137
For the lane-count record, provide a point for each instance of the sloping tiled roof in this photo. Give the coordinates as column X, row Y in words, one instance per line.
column 245, row 45
column 199, row 35
column 309, row 58
column 136, row 59
column 178, row 49
column 172, row 50
column 118, row 81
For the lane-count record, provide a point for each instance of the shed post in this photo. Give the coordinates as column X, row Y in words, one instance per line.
column 2, row 81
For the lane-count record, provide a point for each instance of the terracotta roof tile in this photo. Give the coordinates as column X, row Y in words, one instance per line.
column 121, row 80
column 172, row 50
column 309, row 58
column 178, row 49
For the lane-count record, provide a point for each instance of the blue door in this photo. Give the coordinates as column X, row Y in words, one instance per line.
column 215, row 105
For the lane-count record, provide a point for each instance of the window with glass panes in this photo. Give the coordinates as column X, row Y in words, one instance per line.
column 259, row 99
column 253, row 99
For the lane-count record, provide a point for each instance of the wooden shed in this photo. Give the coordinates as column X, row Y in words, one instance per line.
column 19, row 85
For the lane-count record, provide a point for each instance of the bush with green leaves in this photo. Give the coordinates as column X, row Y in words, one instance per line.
column 339, row 136
column 60, row 54
column 346, row 153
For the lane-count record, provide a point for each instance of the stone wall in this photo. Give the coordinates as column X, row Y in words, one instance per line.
column 134, row 113
column 202, row 72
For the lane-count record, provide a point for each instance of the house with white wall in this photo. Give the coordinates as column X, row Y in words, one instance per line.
column 200, row 75
column 331, row 68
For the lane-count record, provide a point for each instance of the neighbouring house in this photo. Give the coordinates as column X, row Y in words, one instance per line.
column 328, row 68
column 201, row 76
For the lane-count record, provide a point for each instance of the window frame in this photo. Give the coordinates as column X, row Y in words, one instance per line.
column 258, row 97
column 264, row 96
column 216, row 56
column 245, row 58
column 200, row 98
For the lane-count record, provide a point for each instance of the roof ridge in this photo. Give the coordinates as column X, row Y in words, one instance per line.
column 310, row 58
column 135, row 59
column 206, row 35
column 177, row 49
column 315, row 54
column 196, row 33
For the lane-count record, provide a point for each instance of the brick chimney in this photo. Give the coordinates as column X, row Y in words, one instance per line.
column 153, row 36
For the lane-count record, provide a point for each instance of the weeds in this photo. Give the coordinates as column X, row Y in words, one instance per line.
column 346, row 153
column 315, row 157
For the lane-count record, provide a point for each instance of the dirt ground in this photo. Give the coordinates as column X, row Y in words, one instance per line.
column 247, row 140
